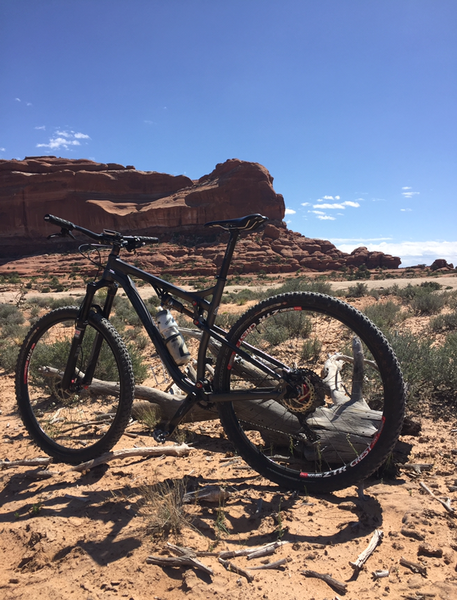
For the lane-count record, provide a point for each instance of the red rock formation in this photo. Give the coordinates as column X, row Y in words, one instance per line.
column 110, row 196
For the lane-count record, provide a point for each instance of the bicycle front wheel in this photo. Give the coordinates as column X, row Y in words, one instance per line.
column 341, row 393
column 79, row 423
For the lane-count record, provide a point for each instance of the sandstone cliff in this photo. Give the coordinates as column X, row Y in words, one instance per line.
column 175, row 208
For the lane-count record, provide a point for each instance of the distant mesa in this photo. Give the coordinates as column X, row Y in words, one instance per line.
column 174, row 208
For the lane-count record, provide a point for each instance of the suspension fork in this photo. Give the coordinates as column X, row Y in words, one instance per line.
column 70, row 376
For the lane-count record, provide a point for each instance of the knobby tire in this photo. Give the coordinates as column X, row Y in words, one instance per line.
column 307, row 442
column 81, row 424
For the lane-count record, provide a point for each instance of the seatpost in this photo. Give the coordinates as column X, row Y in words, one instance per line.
column 234, row 233
column 222, row 276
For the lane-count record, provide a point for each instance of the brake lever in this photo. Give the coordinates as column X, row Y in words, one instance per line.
column 63, row 233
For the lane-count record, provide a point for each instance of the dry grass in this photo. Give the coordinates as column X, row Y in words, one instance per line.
column 164, row 509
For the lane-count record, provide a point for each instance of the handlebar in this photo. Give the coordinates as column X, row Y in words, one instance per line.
column 114, row 238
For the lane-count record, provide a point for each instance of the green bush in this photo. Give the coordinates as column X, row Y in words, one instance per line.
column 430, row 371
column 10, row 314
column 9, row 351
column 446, row 322
column 384, row 314
column 427, row 303
column 358, row 290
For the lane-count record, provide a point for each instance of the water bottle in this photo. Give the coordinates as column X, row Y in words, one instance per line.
column 173, row 337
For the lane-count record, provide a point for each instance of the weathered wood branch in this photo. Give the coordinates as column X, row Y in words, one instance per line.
column 179, row 561
column 274, row 565
column 365, row 555
column 253, row 552
column 415, row 567
column 182, row 450
column 446, row 503
column 235, row 569
column 26, row 462
column 338, row 586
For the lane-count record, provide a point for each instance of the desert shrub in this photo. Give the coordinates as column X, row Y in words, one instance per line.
column 285, row 326
column 10, row 314
column 427, row 303
column 227, row 319
column 64, row 301
column 430, row 371
column 445, row 322
column 384, row 314
column 152, row 302
column 9, row 351
column 362, row 272
column 11, row 333
column 416, row 357
column 358, row 290
column 446, row 365
column 140, row 366
column 51, row 303
column 124, row 312
column 301, row 285
column 311, row 349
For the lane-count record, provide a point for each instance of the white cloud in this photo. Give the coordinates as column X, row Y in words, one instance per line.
column 59, row 142
column 64, row 140
column 338, row 205
column 406, row 210
column 2, row 149
column 407, row 193
column 305, row 203
column 18, row 100
column 358, row 241
column 328, row 198
column 290, row 211
column 321, row 215
column 43, row 127
column 327, row 205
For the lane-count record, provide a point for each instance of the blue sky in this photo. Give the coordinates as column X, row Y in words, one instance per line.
column 351, row 105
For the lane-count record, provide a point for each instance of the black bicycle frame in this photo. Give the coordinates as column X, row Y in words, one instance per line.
column 118, row 273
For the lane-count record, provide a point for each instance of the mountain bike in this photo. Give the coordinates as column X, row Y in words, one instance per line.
column 307, row 389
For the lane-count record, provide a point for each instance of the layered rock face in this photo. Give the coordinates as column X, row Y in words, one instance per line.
column 174, row 208
column 110, row 196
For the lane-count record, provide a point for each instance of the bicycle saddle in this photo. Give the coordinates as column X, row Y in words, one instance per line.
column 247, row 223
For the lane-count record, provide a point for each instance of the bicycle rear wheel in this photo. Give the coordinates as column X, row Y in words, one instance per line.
column 342, row 403
column 81, row 423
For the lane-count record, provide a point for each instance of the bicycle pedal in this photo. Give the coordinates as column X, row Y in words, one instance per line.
column 160, row 436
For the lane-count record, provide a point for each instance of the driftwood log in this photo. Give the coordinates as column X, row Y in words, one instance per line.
column 348, row 416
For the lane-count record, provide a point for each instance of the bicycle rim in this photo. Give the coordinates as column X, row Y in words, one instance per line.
column 77, row 424
column 341, row 411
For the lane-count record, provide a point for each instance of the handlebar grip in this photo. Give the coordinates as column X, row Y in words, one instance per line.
column 59, row 222
column 148, row 240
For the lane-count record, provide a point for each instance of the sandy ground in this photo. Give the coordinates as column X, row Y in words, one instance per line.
column 87, row 536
